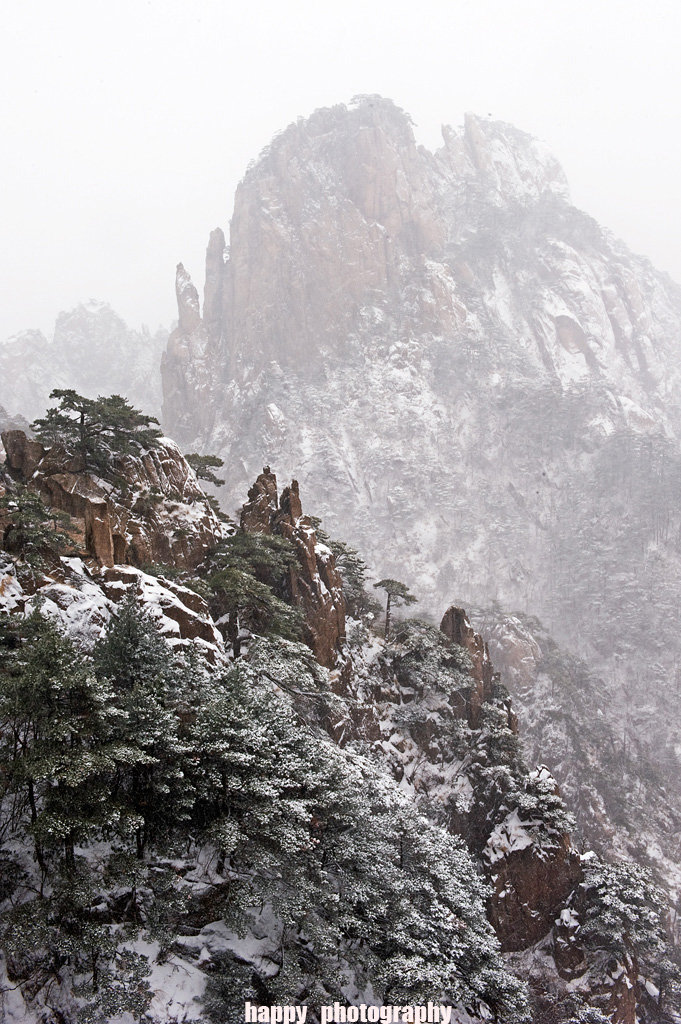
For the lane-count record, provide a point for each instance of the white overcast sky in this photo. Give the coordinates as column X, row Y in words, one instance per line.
column 126, row 125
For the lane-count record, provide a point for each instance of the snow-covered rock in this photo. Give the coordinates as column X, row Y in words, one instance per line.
column 474, row 383
column 158, row 514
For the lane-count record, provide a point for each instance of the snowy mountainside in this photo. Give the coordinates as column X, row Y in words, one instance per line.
column 485, row 380
column 623, row 799
column 92, row 350
column 219, row 816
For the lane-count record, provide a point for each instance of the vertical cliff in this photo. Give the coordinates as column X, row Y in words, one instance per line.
column 485, row 380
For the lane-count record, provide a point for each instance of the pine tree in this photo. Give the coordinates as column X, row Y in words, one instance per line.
column 32, row 531
column 56, row 937
column 589, row 1015
column 203, row 466
column 248, row 577
column 353, row 570
column 398, row 594
column 95, row 431
column 138, row 665
column 625, row 917
column 357, row 879
column 52, row 713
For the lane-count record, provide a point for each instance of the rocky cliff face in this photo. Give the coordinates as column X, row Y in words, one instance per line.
column 486, row 381
column 435, row 711
column 160, row 515
column 315, row 583
column 622, row 796
column 345, row 231
column 432, row 708
column 92, row 351
column 156, row 517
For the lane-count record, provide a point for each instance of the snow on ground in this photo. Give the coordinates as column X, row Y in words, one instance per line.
column 177, row 985
column 508, row 837
column 11, row 591
column 13, row 1009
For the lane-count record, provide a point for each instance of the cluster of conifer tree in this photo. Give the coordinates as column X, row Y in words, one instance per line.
column 143, row 792
column 114, row 763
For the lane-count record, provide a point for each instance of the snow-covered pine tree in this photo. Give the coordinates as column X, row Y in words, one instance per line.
column 248, row 580
column 95, row 431
column 138, row 665
column 55, row 765
column 34, row 533
column 360, row 884
column 624, row 921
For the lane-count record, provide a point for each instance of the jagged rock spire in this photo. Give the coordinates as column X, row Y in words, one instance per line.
column 215, row 276
column 315, row 584
column 188, row 309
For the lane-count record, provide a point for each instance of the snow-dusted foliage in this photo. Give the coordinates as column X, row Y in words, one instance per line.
column 114, row 764
column 195, row 811
column 607, row 773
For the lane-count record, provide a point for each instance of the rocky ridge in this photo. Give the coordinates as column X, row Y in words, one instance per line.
column 156, row 515
column 121, row 524
column 161, row 518
column 315, row 584
column 435, row 382
column 485, row 380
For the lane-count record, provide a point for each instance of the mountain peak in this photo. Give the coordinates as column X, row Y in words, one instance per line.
column 509, row 164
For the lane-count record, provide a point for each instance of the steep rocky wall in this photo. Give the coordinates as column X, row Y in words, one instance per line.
column 315, row 583
column 130, row 525
column 476, row 385
column 343, row 214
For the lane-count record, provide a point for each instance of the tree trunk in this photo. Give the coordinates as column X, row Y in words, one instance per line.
column 233, row 633
column 34, row 818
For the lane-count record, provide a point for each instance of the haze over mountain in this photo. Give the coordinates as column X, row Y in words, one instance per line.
column 221, row 782
column 479, row 388
column 476, row 384
column 92, row 350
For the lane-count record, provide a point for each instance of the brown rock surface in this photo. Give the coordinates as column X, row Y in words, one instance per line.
column 99, row 539
column 22, row 455
column 215, row 276
column 173, row 603
column 258, row 513
column 622, row 1006
column 568, row 954
column 187, row 300
column 457, row 628
column 316, row 585
column 531, row 886
column 131, row 524
column 368, row 211
column 532, row 878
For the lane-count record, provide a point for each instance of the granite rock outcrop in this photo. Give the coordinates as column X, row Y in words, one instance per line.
column 130, row 523
column 475, row 384
column 315, row 583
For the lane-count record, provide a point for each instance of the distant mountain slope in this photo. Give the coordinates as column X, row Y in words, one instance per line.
column 92, row 351
column 622, row 797
column 476, row 384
